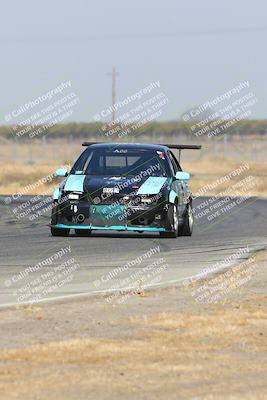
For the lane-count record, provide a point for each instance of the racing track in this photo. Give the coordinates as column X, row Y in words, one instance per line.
column 25, row 243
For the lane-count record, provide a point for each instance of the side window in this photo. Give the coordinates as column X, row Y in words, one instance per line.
column 82, row 161
column 175, row 165
column 169, row 159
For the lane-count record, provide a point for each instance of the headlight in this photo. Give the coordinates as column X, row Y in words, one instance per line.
column 73, row 196
column 146, row 200
column 151, row 199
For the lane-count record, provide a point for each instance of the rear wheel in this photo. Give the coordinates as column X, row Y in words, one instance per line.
column 187, row 228
column 174, row 224
column 83, row 232
column 59, row 232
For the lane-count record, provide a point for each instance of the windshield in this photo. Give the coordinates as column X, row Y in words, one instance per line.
column 122, row 162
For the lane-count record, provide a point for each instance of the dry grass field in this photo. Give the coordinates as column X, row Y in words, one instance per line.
column 15, row 177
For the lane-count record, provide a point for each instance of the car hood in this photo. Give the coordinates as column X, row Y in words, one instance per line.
column 96, row 185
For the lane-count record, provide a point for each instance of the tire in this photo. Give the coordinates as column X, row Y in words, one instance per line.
column 83, row 232
column 174, row 224
column 187, row 228
column 59, row 232
column 54, row 213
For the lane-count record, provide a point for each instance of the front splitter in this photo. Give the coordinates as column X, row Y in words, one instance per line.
column 110, row 228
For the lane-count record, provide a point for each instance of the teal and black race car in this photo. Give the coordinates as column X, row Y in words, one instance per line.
column 124, row 187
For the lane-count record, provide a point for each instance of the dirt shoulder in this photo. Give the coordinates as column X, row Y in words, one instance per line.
column 158, row 345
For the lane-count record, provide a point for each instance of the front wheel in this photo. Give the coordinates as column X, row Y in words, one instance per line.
column 174, row 224
column 187, row 228
column 59, row 232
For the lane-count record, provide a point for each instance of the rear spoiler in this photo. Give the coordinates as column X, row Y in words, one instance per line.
column 183, row 146
column 90, row 143
column 179, row 147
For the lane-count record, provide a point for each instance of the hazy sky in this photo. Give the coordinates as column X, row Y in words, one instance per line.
column 196, row 49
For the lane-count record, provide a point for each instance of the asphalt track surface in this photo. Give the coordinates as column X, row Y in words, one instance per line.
column 33, row 265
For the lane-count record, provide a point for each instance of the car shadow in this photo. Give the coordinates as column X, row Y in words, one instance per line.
column 121, row 235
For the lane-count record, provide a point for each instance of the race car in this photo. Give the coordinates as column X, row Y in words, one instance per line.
column 124, row 187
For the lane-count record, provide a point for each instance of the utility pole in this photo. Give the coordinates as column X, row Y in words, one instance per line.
column 114, row 75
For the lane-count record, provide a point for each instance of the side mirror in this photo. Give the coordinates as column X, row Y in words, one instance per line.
column 61, row 172
column 183, row 176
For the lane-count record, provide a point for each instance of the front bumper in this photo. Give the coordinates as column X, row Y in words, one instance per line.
column 81, row 215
